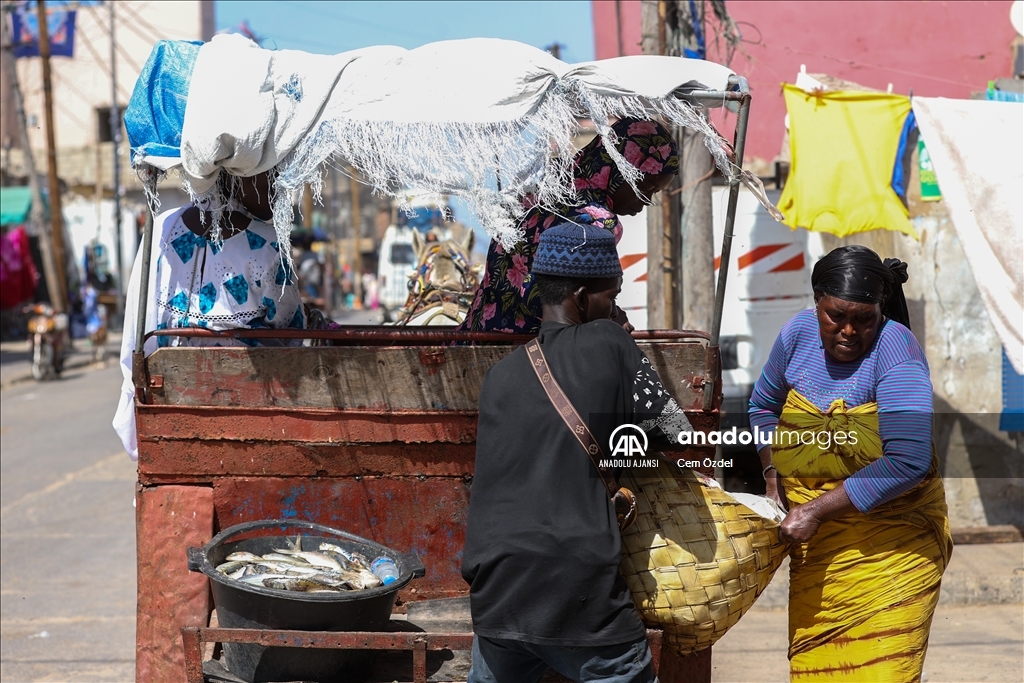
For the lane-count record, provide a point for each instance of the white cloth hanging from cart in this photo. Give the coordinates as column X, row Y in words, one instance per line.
column 477, row 118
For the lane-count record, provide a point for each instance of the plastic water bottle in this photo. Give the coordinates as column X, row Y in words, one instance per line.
column 385, row 569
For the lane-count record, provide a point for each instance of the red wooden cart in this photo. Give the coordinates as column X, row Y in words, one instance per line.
column 374, row 435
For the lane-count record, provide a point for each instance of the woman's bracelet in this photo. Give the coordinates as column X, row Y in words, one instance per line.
column 764, row 472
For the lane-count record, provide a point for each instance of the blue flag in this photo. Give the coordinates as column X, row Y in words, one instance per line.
column 25, row 31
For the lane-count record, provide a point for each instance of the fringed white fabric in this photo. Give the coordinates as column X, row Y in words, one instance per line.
column 486, row 120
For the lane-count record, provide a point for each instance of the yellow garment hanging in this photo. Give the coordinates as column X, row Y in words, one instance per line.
column 843, row 148
column 864, row 589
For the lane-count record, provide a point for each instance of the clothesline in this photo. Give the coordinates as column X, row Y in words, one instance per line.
column 854, row 63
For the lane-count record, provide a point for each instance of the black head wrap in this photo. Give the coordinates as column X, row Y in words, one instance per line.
column 855, row 273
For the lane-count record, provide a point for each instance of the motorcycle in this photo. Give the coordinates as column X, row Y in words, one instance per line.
column 49, row 331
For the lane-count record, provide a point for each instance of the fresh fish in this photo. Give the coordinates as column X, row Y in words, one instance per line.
column 315, row 559
column 242, row 556
column 332, row 569
column 354, row 579
column 301, row 571
column 339, row 558
column 350, row 557
column 275, row 567
column 370, row 580
column 258, row 579
column 285, row 558
column 297, row 584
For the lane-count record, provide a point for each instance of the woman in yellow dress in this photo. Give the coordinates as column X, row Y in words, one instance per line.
column 846, row 398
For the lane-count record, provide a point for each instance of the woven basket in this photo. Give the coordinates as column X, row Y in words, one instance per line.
column 696, row 559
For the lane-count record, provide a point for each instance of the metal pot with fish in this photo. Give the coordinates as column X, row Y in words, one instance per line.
column 308, row 577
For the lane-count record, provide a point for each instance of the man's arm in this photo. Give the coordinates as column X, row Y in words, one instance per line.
column 663, row 418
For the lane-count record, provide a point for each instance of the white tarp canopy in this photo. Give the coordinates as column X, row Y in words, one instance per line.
column 976, row 148
column 484, row 119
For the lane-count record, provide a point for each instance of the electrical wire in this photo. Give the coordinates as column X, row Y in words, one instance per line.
column 99, row 60
column 125, row 23
column 359, row 22
column 58, row 82
column 127, row 12
column 160, row 34
column 855, row 64
column 127, row 57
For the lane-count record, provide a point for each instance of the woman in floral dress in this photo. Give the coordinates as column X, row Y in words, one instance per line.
column 506, row 300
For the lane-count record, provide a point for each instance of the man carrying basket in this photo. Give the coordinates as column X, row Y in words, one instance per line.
column 543, row 547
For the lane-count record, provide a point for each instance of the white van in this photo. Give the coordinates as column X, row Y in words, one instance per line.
column 397, row 257
column 396, row 262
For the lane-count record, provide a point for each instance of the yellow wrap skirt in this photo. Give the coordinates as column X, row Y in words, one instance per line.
column 864, row 589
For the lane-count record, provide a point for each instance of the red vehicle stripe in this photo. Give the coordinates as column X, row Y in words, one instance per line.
column 758, row 253
column 795, row 263
column 630, row 259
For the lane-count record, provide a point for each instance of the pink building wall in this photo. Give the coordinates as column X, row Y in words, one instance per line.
column 938, row 49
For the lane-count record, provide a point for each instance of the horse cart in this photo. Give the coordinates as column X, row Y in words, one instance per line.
column 373, row 433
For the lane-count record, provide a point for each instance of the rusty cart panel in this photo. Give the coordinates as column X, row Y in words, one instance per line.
column 376, row 440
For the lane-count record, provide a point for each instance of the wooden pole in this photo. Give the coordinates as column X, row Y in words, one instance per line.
column 60, row 297
column 696, row 284
column 307, row 206
column 357, row 234
column 36, row 212
column 697, row 231
column 115, row 136
column 659, row 255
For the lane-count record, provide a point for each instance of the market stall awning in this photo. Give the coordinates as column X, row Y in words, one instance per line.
column 15, row 203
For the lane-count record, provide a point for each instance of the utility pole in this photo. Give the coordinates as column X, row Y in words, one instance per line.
column 330, row 253
column 36, row 215
column 661, row 288
column 357, row 233
column 115, row 135
column 696, row 226
column 60, row 296
column 307, row 206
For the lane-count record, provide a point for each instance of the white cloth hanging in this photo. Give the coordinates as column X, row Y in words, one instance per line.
column 476, row 118
column 975, row 147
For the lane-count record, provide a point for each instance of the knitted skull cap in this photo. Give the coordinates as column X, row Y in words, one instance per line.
column 577, row 250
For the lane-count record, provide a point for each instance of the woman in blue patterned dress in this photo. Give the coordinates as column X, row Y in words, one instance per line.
column 506, row 300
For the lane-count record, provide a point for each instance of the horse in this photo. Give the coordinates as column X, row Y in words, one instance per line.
column 441, row 289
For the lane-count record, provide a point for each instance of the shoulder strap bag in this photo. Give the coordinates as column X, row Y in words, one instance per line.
column 622, row 498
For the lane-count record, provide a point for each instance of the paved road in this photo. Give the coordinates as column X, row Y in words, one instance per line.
column 67, row 532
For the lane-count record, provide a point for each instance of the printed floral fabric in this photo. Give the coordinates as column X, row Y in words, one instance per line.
column 506, row 300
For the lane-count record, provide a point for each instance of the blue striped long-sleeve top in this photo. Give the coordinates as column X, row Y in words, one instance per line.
column 894, row 373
